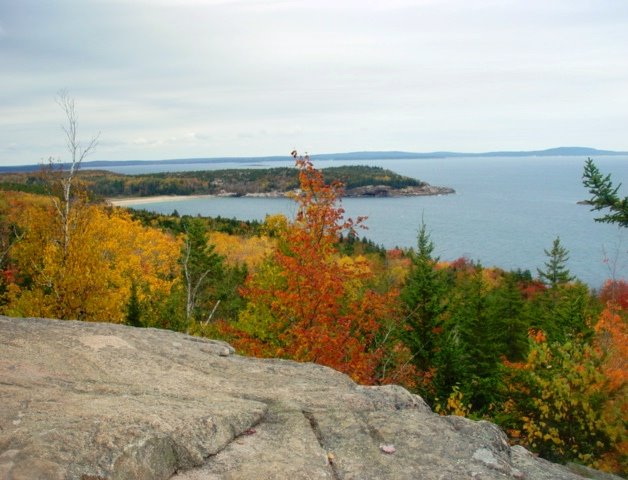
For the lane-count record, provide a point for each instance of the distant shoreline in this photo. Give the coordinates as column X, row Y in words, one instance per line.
column 365, row 155
column 369, row 191
column 124, row 202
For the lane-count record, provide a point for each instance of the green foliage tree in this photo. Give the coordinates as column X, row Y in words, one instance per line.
column 202, row 270
column 563, row 312
column 556, row 272
column 505, row 304
column 424, row 302
column 450, row 368
column 133, row 308
column 605, row 195
column 479, row 336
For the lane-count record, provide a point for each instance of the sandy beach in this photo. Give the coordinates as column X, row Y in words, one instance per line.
column 124, row 202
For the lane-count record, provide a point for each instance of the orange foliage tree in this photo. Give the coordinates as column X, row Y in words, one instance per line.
column 309, row 303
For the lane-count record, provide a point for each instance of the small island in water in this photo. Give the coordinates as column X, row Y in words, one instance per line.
column 358, row 181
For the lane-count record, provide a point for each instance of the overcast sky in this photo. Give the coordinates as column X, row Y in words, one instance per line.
column 203, row 78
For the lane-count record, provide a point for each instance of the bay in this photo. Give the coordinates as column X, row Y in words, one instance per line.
column 505, row 212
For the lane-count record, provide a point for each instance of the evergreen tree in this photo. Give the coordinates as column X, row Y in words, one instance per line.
column 202, row 270
column 563, row 313
column 573, row 311
column 423, row 298
column 605, row 195
column 483, row 324
column 556, row 272
column 133, row 309
column 479, row 332
column 505, row 307
column 451, row 364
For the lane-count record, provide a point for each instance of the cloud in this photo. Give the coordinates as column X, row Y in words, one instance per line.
column 194, row 78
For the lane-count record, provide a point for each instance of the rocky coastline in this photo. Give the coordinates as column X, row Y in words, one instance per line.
column 367, row 191
column 386, row 191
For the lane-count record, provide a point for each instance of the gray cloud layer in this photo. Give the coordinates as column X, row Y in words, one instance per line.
column 195, row 78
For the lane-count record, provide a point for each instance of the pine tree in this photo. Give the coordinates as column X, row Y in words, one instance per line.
column 556, row 272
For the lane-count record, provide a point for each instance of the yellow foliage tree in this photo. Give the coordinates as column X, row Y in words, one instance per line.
column 89, row 277
column 240, row 250
column 81, row 261
column 567, row 406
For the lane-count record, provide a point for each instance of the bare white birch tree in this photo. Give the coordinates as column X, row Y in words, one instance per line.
column 77, row 152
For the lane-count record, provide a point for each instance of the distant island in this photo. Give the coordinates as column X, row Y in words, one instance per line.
column 379, row 155
column 395, row 155
column 358, row 181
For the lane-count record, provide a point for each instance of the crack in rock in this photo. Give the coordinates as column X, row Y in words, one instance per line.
column 331, row 458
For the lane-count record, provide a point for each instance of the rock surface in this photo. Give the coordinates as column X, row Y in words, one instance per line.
column 358, row 192
column 386, row 191
column 97, row 401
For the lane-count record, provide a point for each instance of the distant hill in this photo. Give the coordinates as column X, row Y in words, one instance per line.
column 560, row 151
column 383, row 155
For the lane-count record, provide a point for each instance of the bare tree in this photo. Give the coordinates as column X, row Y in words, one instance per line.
column 77, row 152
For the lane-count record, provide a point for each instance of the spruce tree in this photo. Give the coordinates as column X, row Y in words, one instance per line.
column 423, row 297
column 470, row 348
column 556, row 272
column 202, row 270
column 605, row 195
column 133, row 309
column 505, row 309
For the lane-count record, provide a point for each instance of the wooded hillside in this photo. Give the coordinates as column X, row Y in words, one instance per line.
column 102, row 183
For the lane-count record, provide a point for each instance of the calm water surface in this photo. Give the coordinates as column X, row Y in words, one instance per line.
column 506, row 210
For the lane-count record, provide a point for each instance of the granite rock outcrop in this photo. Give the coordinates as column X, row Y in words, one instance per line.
column 102, row 401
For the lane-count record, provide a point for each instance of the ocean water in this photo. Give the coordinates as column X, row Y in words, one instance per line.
column 505, row 212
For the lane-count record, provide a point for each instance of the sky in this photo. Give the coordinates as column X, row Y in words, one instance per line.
column 161, row 79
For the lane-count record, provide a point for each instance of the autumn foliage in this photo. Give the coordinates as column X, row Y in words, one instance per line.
column 308, row 302
column 569, row 400
column 546, row 361
column 91, row 278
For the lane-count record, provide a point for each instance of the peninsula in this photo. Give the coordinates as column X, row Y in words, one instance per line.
column 358, row 181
